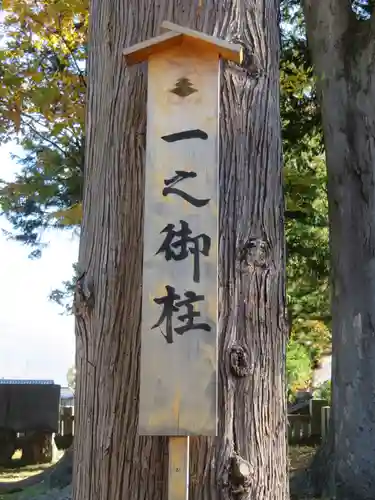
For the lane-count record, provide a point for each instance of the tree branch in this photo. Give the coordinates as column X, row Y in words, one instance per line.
column 39, row 134
column 80, row 73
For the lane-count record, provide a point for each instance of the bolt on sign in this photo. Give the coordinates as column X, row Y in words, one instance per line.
column 178, row 388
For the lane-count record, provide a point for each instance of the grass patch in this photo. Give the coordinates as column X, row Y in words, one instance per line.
column 299, row 458
column 27, row 493
column 16, row 474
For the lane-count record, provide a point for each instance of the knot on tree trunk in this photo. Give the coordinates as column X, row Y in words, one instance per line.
column 255, row 252
column 239, row 361
column 240, row 472
column 251, row 63
column 84, row 301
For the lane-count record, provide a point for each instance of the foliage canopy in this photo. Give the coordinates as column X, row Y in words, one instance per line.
column 42, row 108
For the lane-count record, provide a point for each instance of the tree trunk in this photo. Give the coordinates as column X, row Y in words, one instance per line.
column 111, row 461
column 343, row 51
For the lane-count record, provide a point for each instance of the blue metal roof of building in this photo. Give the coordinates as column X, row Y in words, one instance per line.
column 27, row 382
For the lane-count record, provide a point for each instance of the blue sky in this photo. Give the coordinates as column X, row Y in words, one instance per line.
column 36, row 341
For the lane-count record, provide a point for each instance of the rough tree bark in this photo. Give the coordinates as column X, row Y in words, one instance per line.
column 343, row 51
column 111, row 462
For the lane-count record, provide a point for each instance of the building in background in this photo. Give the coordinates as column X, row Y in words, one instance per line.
column 66, row 394
column 66, row 397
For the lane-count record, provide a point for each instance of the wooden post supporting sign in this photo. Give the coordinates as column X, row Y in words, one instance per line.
column 178, row 388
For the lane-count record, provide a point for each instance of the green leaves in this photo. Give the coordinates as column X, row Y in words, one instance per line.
column 42, row 101
column 306, row 205
column 42, row 107
column 298, row 367
column 63, row 297
column 69, row 217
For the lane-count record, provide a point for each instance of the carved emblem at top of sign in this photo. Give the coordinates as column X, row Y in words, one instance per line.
column 183, row 88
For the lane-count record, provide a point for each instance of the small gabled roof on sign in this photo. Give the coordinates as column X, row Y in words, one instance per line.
column 174, row 35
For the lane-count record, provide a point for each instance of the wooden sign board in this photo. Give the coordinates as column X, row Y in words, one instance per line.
column 178, row 389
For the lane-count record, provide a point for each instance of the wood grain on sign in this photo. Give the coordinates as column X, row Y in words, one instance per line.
column 178, row 392
column 226, row 50
column 174, row 35
column 178, row 474
column 141, row 51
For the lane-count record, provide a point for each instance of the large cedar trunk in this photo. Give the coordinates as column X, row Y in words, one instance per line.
column 343, row 50
column 111, row 461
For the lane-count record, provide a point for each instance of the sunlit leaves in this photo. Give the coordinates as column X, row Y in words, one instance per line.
column 42, row 106
column 306, row 205
column 70, row 216
column 298, row 367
